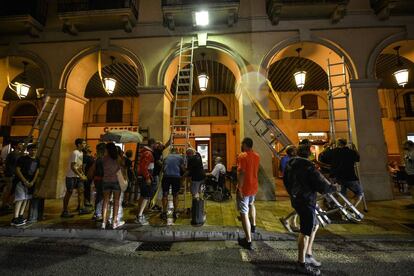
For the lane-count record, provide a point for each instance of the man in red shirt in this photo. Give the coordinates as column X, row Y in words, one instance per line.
column 247, row 186
column 147, row 180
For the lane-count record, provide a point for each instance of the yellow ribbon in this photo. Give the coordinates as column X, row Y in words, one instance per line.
column 100, row 71
column 279, row 102
column 9, row 84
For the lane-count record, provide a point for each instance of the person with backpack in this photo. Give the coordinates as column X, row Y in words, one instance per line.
column 303, row 181
column 195, row 171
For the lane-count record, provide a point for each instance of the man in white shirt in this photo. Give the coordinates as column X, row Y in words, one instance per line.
column 75, row 178
column 219, row 168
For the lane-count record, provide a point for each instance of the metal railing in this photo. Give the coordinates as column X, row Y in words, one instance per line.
column 90, row 5
column 35, row 8
column 310, row 2
column 23, row 120
column 125, row 118
column 300, row 114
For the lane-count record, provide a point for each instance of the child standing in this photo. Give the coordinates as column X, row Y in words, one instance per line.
column 27, row 170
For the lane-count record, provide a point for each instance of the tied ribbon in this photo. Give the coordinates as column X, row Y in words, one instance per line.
column 279, row 102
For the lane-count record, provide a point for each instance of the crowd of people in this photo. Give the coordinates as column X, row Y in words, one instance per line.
column 115, row 179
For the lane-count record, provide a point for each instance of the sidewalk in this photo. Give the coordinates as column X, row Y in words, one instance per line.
column 385, row 220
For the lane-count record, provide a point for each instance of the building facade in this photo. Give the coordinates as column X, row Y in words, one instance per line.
column 58, row 47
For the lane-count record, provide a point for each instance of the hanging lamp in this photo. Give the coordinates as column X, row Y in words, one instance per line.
column 203, row 78
column 300, row 74
column 401, row 75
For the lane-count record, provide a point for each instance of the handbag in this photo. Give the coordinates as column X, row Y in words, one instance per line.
column 123, row 183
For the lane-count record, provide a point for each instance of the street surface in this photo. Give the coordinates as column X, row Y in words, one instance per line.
column 34, row 256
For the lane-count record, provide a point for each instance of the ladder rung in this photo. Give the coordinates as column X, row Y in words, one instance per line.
column 340, row 85
column 336, row 64
column 184, row 84
column 181, row 108
column 184, row 70
column 184, row 77
column 339, row 97
column 337, row 75
column 339, row 109
column 341, row 120
column 183, row 92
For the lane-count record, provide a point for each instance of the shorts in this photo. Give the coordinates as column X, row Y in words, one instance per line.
column 307, row 217
column 111, row 186
column 196, row 186
column 244, row 203
column 352, row 185
column 148, row 191
column 74, row 183
column 21, row 192
column 173, row 182
column 410, row 179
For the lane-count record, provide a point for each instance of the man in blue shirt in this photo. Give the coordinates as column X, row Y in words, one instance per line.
column 290, row 152
column 173, row 169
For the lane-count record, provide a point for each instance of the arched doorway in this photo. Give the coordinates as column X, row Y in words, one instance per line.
column 215, row 112
column 103, row 111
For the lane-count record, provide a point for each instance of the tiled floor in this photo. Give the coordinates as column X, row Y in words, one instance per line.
column 383, row 218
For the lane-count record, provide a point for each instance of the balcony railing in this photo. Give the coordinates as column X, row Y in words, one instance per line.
column 90, row 5
column 125, row 118
column 23, row 120
column 35, row 8
column 302, row 9
column 386, row 8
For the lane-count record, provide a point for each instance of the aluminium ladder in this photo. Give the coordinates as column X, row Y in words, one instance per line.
column 267, row 130
column 338, row 101
column 48, row 126
column 339, row 107
column 181, row 121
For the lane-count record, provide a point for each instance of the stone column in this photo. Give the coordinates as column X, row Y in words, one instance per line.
column 70, row 111
column 3, row 104
column 154, row 112
column 370, row 141
column 247, row 111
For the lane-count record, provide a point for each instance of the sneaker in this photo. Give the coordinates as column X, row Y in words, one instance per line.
column 164, row 216
column 16, row 222
column 156, row 208
column 119, row 224
column 66, row 214
column 21, row 218
column 286, row 225
column 84, row 211
column 309, row 259
column 142, row 220
column 245, row 244
column 175, row 215
column 307, row 269
column 103, row 225
column 253, row 228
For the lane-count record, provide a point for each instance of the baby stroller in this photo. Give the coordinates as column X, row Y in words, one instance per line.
column 217, row 191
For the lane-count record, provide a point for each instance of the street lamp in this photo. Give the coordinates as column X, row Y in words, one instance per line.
column 20, row 88
column 401, row 75
column 109, row 82
column 300, row 75
column 203, row 78
column 201, row 18
column 203, row 81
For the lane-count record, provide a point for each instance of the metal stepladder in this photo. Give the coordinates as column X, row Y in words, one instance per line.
column 267, row 130
column 181, row 124
column 339, row 106
column 48, row 125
